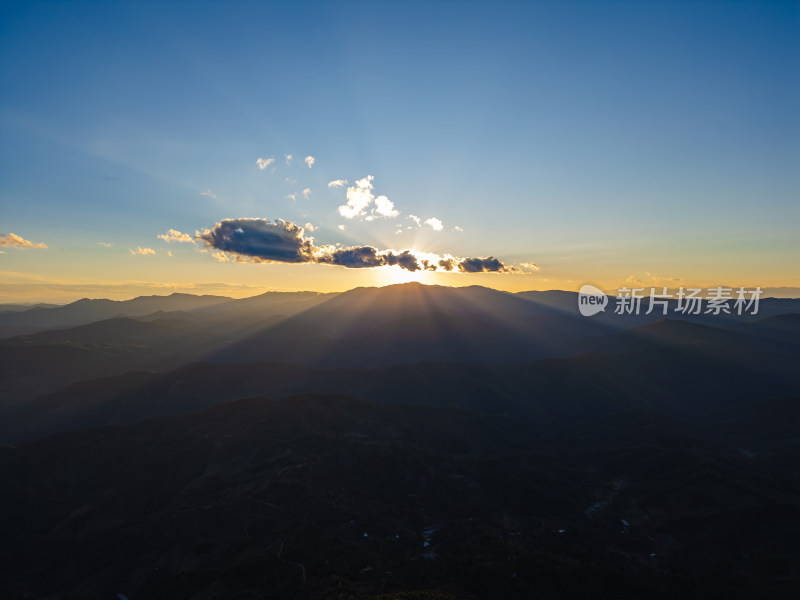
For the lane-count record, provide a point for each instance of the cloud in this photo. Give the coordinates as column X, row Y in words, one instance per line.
column 489, row 264
column 208, row 193
column 310, row 160
column 457, row 228
column 530, row 266
column 142, row 251
column 105, row 244
column 650, row 280
column 360, row 198
column 173, row 235
column 310, row 228
column 341, row 227
column 289, row 158
column 263, row 163
column 385, row 207
column 259, row 240
column 434, row 223
column 416, row 219
column 306, row 193
column 12, row 240
column 292, row 197
column 337, row 183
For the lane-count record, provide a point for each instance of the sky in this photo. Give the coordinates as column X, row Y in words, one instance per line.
column 527, row 145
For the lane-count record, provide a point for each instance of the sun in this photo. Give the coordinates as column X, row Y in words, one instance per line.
column 394, row 275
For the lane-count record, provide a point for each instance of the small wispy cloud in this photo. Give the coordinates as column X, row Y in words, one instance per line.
column 105, row 244
column 530, row 266
column 12, row 240
column 434, row 224
column 209, row 194
column 416, row 219
column 341, row 227
column 310, row 227
column 310, row 160
column 306, row 193
column 457, row 228
column 290, row 180
column 141, row 251
column 292, row 197
column 337, row 183
column 263, row 163
column 173, row 235
column 289, row 158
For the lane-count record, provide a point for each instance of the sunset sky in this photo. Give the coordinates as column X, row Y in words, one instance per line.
column 574, row 142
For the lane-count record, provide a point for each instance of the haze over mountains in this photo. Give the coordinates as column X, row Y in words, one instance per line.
column 454, row 442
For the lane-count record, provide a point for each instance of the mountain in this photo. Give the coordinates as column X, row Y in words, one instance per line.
column 41, row 362
column 408, row 323
column 679, row 368
column 331, row 496
column 87, row 311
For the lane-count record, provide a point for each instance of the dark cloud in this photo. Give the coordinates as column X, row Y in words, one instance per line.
column 405, row 260
column 355, row 257
column 479, row 265
column 259, row 240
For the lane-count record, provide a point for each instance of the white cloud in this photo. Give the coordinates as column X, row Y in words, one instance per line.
column 342, row 227
column 416, row 219
column 435, row 224
column 530, row 266
column 173, row 235
column 306, row 193
column 337, row 183
column 359, row 197
column 208, row 193
column 290, row 180
column 142, row 251
column 263, row 163
column 310, row 160
column 220, row 257
column 310, row 227
column 105, row 244
column 289, row 158
column 12, row 240
column 457, row 228
column 292, row 197
column 385, row 207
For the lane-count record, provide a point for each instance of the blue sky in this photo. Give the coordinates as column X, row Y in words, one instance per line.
column 599, row 140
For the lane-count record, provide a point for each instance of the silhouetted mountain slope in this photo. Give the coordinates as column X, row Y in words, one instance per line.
column 44, row 361
column 87, row 311
column 319, row 496
column 679, row 368
column 413, row 322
